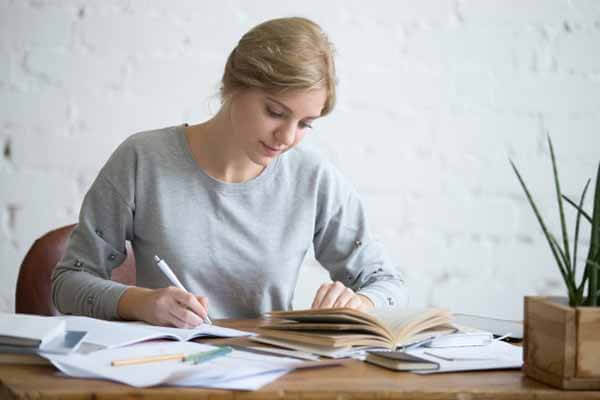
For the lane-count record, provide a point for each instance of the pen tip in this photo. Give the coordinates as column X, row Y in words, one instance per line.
column 156, row 259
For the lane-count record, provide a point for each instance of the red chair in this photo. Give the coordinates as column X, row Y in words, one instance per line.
column 33, row 295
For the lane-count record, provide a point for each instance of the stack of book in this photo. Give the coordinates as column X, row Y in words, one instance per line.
column 337, row 332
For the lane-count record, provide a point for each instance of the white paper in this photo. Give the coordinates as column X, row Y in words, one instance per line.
column 112, row 334
column 236, row 370
column 496, row 355
column 462, row 339
column 250, row 383
column 29, row 330
column 282, row 352
column 200, row 331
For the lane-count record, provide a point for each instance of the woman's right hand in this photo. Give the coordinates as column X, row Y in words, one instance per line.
column 168, row 306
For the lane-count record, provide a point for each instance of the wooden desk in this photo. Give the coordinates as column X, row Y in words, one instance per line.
column 353, row 380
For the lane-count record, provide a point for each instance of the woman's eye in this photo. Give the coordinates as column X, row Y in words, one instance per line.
column 274, row 113
column 305, row 125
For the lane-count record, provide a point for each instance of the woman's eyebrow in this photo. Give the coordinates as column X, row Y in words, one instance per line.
column 287, row 108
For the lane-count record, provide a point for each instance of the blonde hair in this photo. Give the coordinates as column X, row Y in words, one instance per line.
column 279, row 55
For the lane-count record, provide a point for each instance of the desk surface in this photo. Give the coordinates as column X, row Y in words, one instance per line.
column 352, row 380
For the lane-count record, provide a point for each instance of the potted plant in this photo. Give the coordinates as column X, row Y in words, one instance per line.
column 562, row 335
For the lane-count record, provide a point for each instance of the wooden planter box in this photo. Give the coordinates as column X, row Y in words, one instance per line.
column 561, row 344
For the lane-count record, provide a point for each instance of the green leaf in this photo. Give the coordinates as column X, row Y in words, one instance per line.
column 541, row 222
column 584, row 279
column 595, row 239
column 576, row 240
column 593, row 264
column 579, row 209
column 563, row 223
column 594, row 253
column 566, row 273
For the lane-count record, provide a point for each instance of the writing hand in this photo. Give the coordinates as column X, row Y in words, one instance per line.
column 336, row 294
column 169, row 306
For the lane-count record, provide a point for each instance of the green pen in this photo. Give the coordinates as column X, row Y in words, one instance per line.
column 204, row 356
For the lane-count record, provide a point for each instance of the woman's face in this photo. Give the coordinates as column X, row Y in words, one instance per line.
column 267, row 125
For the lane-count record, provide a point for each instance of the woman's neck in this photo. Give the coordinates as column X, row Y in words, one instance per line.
column 218, row 153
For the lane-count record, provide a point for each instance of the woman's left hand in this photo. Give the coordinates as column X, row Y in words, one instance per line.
column 336, row 295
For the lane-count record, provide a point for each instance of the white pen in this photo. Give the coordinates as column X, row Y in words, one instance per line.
column 164, row 267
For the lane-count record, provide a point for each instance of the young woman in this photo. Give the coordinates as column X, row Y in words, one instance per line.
column 232, row 204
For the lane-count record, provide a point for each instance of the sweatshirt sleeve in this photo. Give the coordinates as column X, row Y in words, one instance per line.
column 81, row 282
column 345, row 247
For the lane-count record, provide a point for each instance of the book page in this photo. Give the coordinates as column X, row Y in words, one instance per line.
column 406, row 322
column 112, row 334
column 204, row 330
column 392, row 324
column 117, row 333
column 325, row 315
column 394, row 318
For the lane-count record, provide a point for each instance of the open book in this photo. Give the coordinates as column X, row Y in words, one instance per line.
column 345, row 327
column 109, row 334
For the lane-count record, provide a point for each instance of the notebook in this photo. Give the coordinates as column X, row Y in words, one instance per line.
column 400, row 361
column 26, row 330
column 110, row 334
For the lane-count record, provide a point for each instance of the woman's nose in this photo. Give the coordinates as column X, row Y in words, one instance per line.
column 286, row 134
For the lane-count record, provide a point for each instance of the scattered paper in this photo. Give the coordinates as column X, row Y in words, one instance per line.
column 238, row 370
column 496, row 355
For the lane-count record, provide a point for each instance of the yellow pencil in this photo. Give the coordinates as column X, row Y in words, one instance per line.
column 149, row 359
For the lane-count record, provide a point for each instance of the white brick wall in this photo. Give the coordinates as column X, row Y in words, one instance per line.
column 434, row 96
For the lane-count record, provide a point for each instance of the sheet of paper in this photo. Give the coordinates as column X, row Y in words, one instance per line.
column 112, row 334
column 497, row 355
column 98, row 364
column 254, row 382
column 200, row 331
column 248, row 383
column 66, row 343
column 29, row 330
column 220, row 372
column 462, row 339
column 279, row 352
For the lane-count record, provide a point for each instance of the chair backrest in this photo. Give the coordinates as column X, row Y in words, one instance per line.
column 33, row 294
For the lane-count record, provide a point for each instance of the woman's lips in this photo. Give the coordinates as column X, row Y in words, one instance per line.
column 271, row 151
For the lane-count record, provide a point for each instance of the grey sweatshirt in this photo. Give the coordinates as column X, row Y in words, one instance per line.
column 239, row 244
